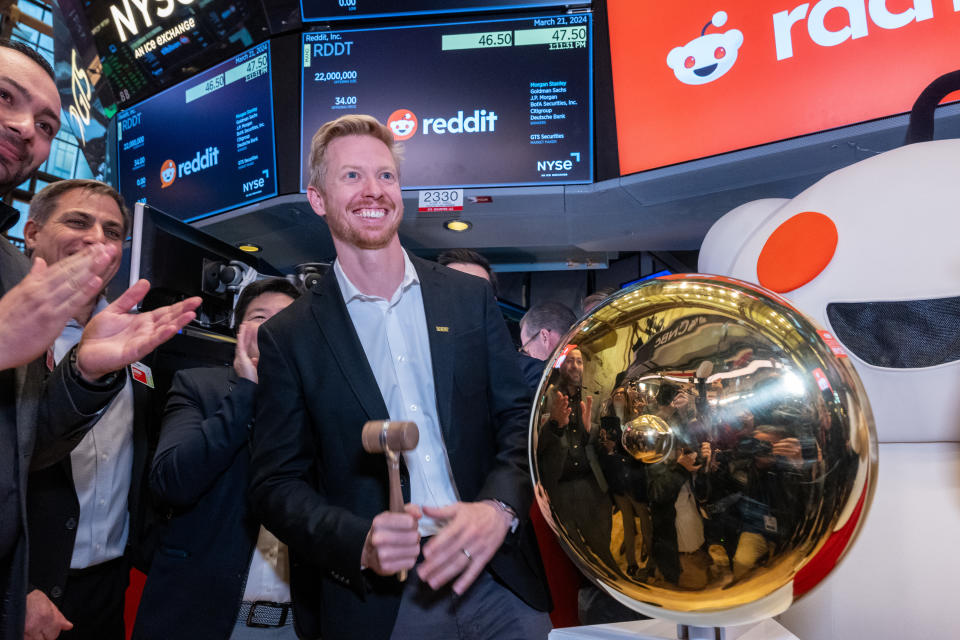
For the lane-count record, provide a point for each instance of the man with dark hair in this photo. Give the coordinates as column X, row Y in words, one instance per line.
column 469, row 261
column 41, row 420
column 31, row 53
column 385, row 335
column 44, row 203
column 29, row 112
column 256, row 289
column 85, row 514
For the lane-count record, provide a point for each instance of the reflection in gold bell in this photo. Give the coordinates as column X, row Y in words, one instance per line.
column 647, row 438
column 729, row 458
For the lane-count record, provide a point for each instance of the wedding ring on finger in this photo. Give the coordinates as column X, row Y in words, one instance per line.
column 466, row 553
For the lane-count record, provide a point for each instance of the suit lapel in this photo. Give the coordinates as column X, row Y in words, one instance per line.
column 146, row 434
column 440, row 330
column 29, row 380
column 331, row 315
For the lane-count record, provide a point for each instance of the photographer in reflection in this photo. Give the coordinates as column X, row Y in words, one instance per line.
column 627, row 480
column 766, row 471
column 717, row 493
column 677, row 524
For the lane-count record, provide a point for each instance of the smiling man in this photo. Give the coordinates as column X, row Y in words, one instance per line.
column 70, row 215
column 34, row 307
column 29, row 114
column 385, row 335
column 65, row 218
column 85, row 513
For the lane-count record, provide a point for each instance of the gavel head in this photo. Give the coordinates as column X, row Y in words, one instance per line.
column 380, row 436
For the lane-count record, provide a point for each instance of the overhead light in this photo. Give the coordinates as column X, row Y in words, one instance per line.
column 249, row 247
column 457, row 225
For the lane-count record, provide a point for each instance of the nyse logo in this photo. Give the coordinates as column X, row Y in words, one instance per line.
column 558, row 168
column 253, row 185
column 554, row 165
column 127, row 17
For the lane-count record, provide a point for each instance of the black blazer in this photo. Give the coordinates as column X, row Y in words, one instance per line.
column 200, row 473
column 317, row 490
column 41, row 420
column 53, row 509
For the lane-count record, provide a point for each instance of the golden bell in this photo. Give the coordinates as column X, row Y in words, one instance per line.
column 702, row 450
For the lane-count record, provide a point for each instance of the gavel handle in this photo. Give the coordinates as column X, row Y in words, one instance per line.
column 396, row 495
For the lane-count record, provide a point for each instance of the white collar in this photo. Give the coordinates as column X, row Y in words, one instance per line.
column 351, row 292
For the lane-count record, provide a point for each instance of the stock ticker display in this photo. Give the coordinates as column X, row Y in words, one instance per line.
column 313, row 10
column 147, row 46
column 483, row 103
column 205, row 145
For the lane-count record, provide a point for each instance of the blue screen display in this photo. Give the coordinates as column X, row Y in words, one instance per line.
column 483, row 103
column 313, row 10
column 205, row 145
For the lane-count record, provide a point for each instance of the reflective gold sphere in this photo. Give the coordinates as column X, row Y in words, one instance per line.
column 702, row 450
column 647, row 438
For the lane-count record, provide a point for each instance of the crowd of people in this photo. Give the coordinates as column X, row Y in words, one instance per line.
column 252, row 506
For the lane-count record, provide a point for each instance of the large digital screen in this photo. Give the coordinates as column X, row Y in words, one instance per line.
column 702, row 81
column 205, row 145
column 486, row 103
column 86, row 97
column 147, row 46
column 314, row 10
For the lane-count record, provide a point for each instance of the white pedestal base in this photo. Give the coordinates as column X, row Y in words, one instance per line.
column 663, row 630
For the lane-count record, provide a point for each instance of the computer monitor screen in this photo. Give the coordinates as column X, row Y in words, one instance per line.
column 205, row 145
column 483, row 103
column 178, row 259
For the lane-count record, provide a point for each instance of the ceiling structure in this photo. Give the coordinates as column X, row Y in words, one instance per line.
column 584, row 226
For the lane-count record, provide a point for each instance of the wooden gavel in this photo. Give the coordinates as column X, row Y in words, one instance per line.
column 391, row 438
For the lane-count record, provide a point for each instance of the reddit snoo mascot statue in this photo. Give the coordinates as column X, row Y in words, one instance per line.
column 871, row 253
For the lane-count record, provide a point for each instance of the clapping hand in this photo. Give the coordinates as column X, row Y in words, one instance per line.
column 115, row 337
column 33, row 313
column 246, row 356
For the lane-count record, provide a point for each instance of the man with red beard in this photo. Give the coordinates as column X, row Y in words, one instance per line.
column 386, row 335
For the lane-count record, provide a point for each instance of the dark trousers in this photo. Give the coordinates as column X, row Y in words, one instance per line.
column 93, row 601
column 487, row 611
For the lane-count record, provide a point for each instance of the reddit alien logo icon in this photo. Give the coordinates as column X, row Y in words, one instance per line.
column 403, row 124
column 168, row 173
column 708, row 57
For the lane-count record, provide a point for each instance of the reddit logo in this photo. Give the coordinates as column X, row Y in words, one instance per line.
column 403, row 124
column 708, row 57
column 168, row 173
